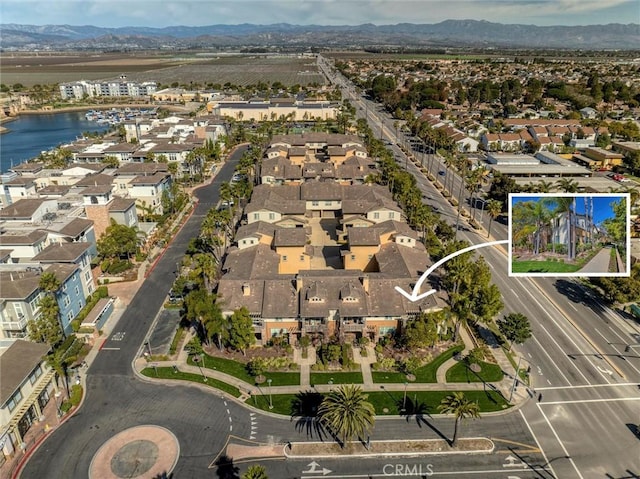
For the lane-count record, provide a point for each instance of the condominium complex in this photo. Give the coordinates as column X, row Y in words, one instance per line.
column 79, row 89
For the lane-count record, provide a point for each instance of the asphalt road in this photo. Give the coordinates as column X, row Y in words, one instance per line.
column 116, row 399
column 587, row 421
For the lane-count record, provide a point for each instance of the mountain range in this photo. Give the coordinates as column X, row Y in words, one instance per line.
column 453, row 33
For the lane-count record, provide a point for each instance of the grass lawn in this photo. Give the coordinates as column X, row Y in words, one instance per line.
column 351, row 377
column 389, row 403
column 543, row 267
column 238, row 370
column 424, row 374
column 167, row 373
column 427, row 373
column 388, row 377
column 460, row 373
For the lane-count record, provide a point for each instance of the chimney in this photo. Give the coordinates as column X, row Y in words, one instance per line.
column 365, row 283
column 298, row 284
column 246, row 289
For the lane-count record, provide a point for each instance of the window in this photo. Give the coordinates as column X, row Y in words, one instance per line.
column 77, row 290
column 284, row 258
column 370, row 256
column 315, row 203
column 79, row 305
column 376, row 216
column 37, row 372
column 67, row 301
column 64, row 287
column 272, row 216
column 87, row 276
column 301, row 257
column 353, row 257
column 256, row 216
column 391, row 215
column 70, row 315
column 327, row 203
column 14, row 401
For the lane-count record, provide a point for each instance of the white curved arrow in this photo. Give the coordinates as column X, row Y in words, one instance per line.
column 415, row 296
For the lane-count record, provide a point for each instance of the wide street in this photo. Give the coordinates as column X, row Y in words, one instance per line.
column 587, row 421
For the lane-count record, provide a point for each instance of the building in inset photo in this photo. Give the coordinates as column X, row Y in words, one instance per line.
column 569, row 234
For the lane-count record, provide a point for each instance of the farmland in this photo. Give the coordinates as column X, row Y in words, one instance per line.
column 163, row 68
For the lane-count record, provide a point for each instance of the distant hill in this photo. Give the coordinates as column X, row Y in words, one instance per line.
column 454, row 33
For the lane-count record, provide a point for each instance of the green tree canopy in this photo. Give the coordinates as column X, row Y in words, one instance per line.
column 461, row 408
column 347, row 413
column 241, row 335
column 118, row 241
column 515, row 327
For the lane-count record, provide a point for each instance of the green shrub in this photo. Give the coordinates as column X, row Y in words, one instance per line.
column 76, row 395
column 305, row 341
column 176, row 340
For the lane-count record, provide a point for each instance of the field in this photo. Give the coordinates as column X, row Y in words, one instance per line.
column 163, row 68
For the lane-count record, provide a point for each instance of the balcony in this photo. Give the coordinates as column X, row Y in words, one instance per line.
column 351, row 327
column 14, row 325
column 314, row 328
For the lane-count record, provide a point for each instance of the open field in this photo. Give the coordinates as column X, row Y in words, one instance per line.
column 164, row 69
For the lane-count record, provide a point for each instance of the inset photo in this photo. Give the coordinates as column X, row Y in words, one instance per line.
column 569, row 234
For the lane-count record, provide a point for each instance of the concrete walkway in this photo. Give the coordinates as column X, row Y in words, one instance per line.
column 365, row 363
column 599, row 263
column 305, row 364
column 441, row 373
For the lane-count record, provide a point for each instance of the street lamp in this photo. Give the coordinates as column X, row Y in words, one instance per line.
column 270, row 398
column 404, row 400
column 196, row 360
column 515, row 378
column 55, row 398
column 146, row 343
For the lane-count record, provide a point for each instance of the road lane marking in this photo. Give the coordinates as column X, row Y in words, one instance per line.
column 568, row 337
column 544, row 455
column 110, row 349
column 580, row 401
column 535, row 340
column 574, row 308
column 589, row 386
column 564, row 449
column 581, row 334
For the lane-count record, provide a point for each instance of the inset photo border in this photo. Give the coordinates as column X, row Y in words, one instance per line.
column 570, row 234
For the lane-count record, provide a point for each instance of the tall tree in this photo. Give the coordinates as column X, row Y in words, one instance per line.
column 494, row 208
column 461, row 408
column 46, row 327
column 515, row 327
column 347, row 413
column 241, row 335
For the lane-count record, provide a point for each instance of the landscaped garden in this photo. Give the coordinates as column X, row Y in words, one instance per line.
column 386, row 403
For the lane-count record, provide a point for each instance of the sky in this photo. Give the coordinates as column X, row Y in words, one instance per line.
column 601, row 205
column 154, row 13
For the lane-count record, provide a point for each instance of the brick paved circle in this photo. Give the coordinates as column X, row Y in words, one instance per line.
column 141, row 451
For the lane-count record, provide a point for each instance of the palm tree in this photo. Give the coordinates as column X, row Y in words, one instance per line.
column 567, row 185
column 347, row 413
column 494, row 207
column 461, row 408
column 255, row 472
column 565, row 205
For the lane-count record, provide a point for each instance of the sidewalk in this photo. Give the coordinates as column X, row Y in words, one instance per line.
column 599, row 263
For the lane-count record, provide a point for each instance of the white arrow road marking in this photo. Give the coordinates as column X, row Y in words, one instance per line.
column 313, row 469
column 415, row 296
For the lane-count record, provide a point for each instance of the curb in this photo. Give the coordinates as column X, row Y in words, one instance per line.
column 394, row 454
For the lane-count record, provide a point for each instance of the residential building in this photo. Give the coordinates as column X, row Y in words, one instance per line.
column 27, row 386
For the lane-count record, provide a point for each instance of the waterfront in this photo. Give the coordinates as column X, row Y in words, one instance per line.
column 28, row 135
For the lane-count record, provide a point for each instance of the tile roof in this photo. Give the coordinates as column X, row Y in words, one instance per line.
column 62, row 252
column 11, row 239
column 95, row 180
column 16, row 363
column 23, row 208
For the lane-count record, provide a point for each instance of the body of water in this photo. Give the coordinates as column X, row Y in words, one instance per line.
column 28, row 135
